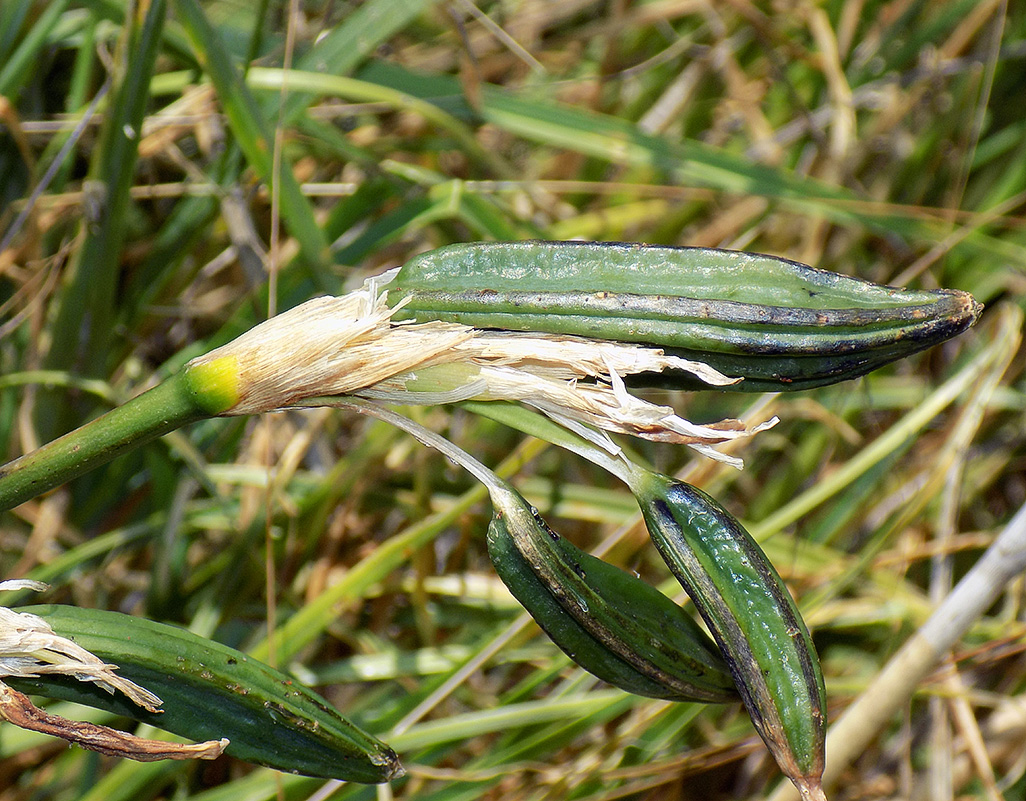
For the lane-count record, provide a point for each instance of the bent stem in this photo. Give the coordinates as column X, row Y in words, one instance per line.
column 537, row 425
column 418, row 432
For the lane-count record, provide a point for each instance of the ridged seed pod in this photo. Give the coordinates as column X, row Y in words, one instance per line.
column 775, row 323
column 608, row 621
column 752, row 617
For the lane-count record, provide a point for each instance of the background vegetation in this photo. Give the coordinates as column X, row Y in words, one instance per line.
column 881, row 138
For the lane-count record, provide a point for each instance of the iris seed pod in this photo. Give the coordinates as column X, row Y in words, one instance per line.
column 609, row 622
column 775, row 323
column 210, row 691
column 752, row 618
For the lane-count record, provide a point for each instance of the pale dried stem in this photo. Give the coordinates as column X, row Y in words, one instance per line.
column 16, row 708
column 811, row 791
column 972, row 737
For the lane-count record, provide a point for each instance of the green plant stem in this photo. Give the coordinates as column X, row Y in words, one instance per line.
column 164, row 408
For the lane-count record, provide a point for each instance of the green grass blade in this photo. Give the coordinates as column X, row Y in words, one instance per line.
column 320, row 84
column 253, row 133
column 82, row 332
column 308, row 623
column 530, row 713
column 26, row 55
column 345, row 46
column 12, row 18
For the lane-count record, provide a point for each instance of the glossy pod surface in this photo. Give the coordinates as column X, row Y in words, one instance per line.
column 750, row 614
column 211, row 691
column 608, row 621
column 776, row 323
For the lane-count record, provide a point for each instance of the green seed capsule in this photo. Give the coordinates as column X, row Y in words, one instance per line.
column 609, row 622
column 776, row 323
column 752, row 618
column 211, row 691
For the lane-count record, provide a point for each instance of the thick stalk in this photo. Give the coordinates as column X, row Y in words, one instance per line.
column 164, row 408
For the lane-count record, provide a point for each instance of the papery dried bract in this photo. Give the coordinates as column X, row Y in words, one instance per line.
column 29, row 647
column 350, row 346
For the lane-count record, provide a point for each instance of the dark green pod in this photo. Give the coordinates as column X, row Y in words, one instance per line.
column 212, row 691
column 608, row 621
column 776, row 323
column 751, row 616
column 572, row 638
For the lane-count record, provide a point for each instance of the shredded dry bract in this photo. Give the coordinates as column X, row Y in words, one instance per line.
column 29, row 648
column 349, row 345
